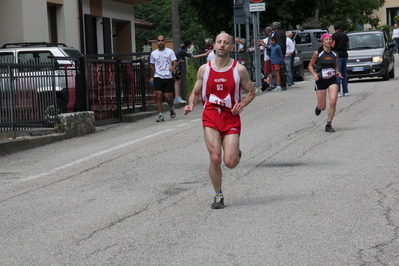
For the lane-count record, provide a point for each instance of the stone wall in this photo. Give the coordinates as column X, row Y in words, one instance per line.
column 76, row 124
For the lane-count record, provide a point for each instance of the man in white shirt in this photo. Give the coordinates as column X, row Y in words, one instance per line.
column 289, row 57
column 162, row 63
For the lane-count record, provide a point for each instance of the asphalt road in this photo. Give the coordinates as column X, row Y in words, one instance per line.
column 139, row 193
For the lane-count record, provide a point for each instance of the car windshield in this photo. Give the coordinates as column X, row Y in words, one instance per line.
column 365, row 41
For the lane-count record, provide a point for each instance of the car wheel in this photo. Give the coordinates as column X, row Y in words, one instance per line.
column 49, row 110
column 386, row 75
column 392, row 73
column 301, row 77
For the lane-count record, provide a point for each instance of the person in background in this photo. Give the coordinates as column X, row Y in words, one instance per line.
column 340, row 45
column 162, row 63
column 279, row 33
column 250, row 58
column 209, row 44
column 395, row 37
column 181, row 56
column 289, row 53
column 220, row 82
column 277, row 60
column 325, row 78
column 264, row 45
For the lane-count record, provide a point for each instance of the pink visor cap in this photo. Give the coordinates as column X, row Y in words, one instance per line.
column 325, row 35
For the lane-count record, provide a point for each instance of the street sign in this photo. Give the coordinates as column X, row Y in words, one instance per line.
column 257, row 7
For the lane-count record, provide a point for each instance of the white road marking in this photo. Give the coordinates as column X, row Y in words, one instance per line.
column 81, row 160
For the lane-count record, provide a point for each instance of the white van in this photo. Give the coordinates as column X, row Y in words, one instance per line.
column 31, row 74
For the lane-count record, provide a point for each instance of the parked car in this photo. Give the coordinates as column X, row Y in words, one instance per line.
column 307, row 41
column 370, row 55
column 33, row 78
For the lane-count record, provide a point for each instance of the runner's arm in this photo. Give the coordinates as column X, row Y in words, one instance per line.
column 247, row 86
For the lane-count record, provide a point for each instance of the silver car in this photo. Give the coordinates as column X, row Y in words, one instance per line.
column 370, row 55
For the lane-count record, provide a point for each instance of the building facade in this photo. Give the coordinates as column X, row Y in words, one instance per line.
column 388, row 12
column 92, row 26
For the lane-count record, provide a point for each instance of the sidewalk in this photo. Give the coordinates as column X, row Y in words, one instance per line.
column 33, row 138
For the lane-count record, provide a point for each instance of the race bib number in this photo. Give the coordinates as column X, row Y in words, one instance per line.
column 327, row 73
column 226, row 102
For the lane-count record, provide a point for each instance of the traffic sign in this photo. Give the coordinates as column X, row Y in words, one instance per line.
column 257, row 7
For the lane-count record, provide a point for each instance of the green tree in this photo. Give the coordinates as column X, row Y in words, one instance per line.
column 160, row 14
column 348, row 12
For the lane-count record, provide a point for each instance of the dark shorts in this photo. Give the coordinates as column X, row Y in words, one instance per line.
column 164, row 85
column 223, row 121
column 323, row 84
column 177, row 75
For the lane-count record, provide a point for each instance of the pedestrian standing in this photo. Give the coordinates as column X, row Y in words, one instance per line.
column 219, row 83
column 162, row 63
column 181, row 56
column 277, row 61
column 325, row 78
column 279, row 33
column 340, row 45
column 289, row 53
column 395, row 37
column 264, row 45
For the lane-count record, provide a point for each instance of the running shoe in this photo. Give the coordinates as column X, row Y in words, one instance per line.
column 178, row 99
column 277, row 89
column 160, row 118
column 339, row 94
column 346, row 94
column 172, row 113
column 329, row 128
column 218, row 202
column 317, row 111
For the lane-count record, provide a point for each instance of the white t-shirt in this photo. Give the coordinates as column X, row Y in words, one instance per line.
column 395, row 33
column 162, row 61
column 290, row 46
column 262, row 48
column 211, row 56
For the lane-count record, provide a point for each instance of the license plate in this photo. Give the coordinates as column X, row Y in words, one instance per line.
column 354, row 69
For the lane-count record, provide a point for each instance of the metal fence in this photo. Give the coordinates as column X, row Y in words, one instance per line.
column 27, row 95
column 34, row 92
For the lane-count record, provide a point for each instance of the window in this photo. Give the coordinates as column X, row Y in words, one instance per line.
column 302, row 38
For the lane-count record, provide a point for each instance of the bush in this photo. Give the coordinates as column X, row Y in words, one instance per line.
column 388, row 30
column 191, row 76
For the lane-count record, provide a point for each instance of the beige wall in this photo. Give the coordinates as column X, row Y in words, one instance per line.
column 26, row 20
column 382, row 12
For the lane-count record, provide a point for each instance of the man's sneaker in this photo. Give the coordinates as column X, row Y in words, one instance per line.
column 346, row 94
column 339, row 94
column 218, row 202
column 172, row 113
column 329, row 128
column 160, row 118
column 179, row 99
column 277, row 89
column 317, row 111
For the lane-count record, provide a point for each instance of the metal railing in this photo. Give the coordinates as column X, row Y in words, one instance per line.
column 27, row 95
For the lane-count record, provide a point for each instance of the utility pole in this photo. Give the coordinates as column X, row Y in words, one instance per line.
column 175, row 25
